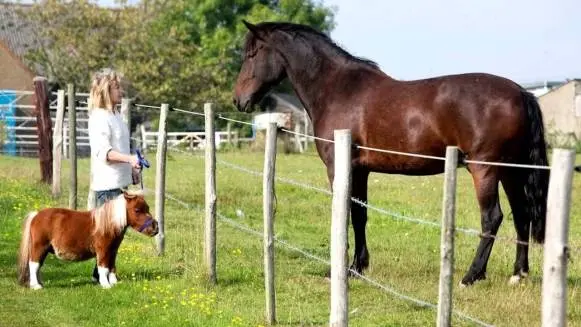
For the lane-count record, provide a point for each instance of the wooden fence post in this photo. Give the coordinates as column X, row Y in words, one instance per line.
column 556, row 253
column 126, row 114
column 229, row 131
column 57, row 138
column 339, row 224
column 66, row 139
column 298, row 142
column 160, row 178
column 43, row 128
column 210, row 220
column 268, row 212
column 143, row 139
column 72, row 146
column 447, row 239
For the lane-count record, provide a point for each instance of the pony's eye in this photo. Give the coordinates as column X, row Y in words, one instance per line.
column 137, row 210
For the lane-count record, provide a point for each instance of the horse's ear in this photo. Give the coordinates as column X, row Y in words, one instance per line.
column 254, row 29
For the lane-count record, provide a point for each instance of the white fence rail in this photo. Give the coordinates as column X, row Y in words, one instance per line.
column 24, row 131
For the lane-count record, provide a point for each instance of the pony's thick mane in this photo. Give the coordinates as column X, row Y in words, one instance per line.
column 311, row 36
column 111, row 217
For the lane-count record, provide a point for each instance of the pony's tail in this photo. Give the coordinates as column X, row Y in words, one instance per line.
column 24, row 253
column 537, row 180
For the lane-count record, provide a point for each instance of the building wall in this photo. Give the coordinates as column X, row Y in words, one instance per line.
column 562, row 109
column 13, row 74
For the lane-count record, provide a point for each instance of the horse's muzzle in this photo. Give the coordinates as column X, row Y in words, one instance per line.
column 242, row 103
column 150, row 222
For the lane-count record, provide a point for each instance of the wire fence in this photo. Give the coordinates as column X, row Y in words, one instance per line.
column 390, row 290
column 385, row 212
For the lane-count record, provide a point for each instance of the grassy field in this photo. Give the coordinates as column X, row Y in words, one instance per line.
column 171, row 290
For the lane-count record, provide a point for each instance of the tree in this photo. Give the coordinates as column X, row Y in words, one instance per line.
column 183, row 52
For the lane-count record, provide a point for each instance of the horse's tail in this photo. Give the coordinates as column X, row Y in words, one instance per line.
column 24, row 253
column 537, row 180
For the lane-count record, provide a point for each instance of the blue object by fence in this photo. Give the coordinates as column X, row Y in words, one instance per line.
column 7, row 112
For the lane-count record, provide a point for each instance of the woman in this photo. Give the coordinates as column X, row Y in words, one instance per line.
column 111, row 161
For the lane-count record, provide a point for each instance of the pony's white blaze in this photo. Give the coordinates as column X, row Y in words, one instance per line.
column 33, row 271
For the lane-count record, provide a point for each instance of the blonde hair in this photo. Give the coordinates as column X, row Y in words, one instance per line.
column 100, row 93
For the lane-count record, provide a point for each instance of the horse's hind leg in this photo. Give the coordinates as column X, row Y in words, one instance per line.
column 513, row 182
column 38, row 253
column 486, row 185
column 95, row 273
column 359, row 220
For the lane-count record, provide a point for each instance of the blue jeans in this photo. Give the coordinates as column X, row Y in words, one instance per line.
column 103, row 196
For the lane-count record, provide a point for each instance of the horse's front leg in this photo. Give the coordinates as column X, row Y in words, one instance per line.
column 359, row 219
column 113, row 256
column 103, row 266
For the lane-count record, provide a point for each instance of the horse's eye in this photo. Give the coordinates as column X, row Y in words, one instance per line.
column 137, row 210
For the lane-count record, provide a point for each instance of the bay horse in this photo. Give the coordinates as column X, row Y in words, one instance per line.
column 489, row 118
column 81, row 235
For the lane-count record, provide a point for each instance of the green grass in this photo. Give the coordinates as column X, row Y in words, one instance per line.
column 171, row 290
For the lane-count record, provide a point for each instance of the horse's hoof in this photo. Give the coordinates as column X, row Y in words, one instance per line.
column 470, row 279
column 106, row 286
column 463, row 285
column 112, row 279
column 36, row 287
column 95, row 280
column 516, row 279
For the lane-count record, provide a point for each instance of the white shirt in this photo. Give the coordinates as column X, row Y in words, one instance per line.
column 107, row 131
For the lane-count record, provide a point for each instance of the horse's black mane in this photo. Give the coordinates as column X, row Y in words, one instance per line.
column 309, row 33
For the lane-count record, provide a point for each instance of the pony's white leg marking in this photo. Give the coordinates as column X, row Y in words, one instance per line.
column 103, row 273
column 112, row 278
column 33, row 272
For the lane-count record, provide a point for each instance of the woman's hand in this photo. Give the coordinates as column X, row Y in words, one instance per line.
column 134, row 161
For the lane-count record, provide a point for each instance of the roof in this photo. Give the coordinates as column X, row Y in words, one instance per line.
column 568, row 81
column 273, row 100
column 540, row 84
column 16, row 33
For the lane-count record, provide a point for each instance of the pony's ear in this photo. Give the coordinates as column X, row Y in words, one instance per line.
column 254, row 29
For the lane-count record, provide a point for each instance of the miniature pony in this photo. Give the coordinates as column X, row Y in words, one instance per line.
column 82, row 235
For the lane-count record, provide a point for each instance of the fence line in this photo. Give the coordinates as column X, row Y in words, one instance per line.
column 235, row 120
column 147, row 106
column 189, row 112
column 309, row 255
column 398, row 216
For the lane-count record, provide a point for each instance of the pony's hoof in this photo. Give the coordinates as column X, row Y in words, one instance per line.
column 95, row 280
column 106, row 286
column 36, row 287
column 112, row 279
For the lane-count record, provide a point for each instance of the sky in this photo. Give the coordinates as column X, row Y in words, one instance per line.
column 524, row 40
